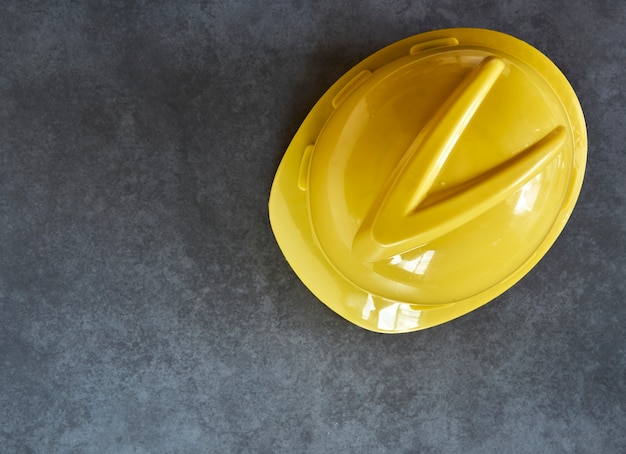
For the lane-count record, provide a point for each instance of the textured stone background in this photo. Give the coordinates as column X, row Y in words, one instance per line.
column 145, row 306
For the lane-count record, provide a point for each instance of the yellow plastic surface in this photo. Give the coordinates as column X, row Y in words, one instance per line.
column 430, row 178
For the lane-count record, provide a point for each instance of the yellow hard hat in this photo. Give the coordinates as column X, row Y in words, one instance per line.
column 430, row 178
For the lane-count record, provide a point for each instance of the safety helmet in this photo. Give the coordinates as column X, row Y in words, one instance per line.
column 430, row 178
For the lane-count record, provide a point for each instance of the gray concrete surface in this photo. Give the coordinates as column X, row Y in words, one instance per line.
column 145, row 306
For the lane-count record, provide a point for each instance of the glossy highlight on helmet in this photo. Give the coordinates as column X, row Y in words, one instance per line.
column 430, row 178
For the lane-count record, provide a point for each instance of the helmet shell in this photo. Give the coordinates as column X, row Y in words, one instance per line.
column 430, row 178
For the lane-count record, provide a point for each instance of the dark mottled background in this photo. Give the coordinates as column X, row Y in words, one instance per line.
column 145, row 306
